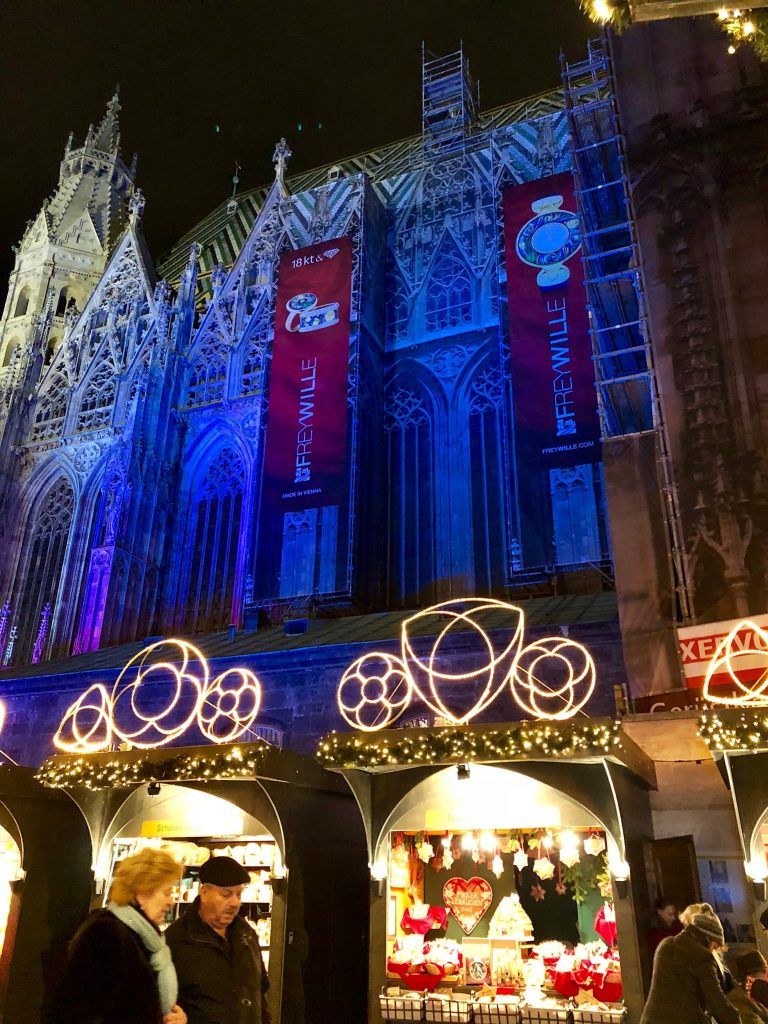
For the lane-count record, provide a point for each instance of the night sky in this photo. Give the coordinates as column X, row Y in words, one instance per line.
column 206, row 82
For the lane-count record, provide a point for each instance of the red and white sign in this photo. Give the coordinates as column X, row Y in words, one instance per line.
column 699, row 644
column 305, row 461
column 467, row 900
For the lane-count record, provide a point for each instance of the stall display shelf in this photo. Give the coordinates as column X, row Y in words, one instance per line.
column 439, row 1010
column 401, row 1008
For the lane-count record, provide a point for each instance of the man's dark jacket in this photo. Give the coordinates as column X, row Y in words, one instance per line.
column 221, row 981
column 685, row 984
column 108, row 978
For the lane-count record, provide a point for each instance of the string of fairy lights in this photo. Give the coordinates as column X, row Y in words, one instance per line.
column 741, row 25
column 748, row 731
column 207, row 764
column 595, row 736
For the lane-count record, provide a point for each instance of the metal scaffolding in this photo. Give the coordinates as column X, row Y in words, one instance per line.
column 626, row 381
column 449, row 104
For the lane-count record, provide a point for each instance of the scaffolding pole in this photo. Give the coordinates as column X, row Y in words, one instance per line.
column 626, row 381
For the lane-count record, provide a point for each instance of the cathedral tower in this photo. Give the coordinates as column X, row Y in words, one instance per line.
column 64, row 250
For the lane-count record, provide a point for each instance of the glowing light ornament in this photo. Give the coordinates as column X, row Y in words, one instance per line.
column 742, row 658
column 152, row 728
column 433, row 681
column 544, row 868
column 88, row 721
column 497, row 866
column 223, row 709
column 594, row 844
column 230, row 705
column 520, row 860
column 374, row 691
column 574, row 667
column 570, row 856
column 447, row 858
column 425, row 851
column 488, row 842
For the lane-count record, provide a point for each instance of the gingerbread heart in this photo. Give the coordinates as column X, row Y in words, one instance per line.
column 467, row 900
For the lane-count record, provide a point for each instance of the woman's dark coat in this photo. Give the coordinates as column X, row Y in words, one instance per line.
column 107, row 979
column 686, row 984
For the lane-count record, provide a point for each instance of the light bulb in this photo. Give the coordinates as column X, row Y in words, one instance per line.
column 602, row 10
column 568, row 840
column 467, row 841
column 731, row 49
column 547, row 841
column 446, row 840
column 487, row 842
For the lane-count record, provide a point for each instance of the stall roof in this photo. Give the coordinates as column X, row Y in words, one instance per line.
column 362, row 629
column 205, row 763
column 579, row 739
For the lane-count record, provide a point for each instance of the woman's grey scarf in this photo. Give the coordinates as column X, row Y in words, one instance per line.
column 159, row 953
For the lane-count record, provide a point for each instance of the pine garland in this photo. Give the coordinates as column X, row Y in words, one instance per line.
column 457, row 745
column 93, row 771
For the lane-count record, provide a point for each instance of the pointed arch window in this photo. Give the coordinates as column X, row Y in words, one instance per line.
column 412, row 561
column 10, row 349
column 43, row 561
column 399, row 306
column 449, row 294
column 22, row 302
column 212, row 543
column 98, row 402
column 486, row 435
column 51, row 410
column 208, row 377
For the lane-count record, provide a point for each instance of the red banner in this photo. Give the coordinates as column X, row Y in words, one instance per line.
column 555, row 402
column 306, row 440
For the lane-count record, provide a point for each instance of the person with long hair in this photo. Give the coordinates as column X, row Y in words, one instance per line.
column 119, row 969
column 685, row 986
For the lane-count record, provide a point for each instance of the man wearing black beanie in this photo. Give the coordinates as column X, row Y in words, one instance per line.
column 218, row 962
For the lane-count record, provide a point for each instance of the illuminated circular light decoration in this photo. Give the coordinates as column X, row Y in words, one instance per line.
column 573, row 663
column 223, row 710
column 374, row 691
column 743, row 656
column 87, row 723
column 377, row 688
column 230, row 705
column 433, row 682
column 154, row 728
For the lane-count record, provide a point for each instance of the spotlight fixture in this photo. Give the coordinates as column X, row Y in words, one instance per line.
column 462, row 772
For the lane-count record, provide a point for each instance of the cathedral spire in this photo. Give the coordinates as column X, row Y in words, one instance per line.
column 107, row 136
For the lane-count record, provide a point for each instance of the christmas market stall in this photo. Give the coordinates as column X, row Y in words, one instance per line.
column 293, row 826
column 44, row 889
column 738, row 740
column 506, row 860
column 736, row 730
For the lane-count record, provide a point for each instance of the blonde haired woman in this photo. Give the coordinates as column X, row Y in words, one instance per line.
column 119, row 969
column 724, row 975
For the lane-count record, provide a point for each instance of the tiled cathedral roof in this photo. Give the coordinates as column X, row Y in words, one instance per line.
column 361, row 629
column 222, row 234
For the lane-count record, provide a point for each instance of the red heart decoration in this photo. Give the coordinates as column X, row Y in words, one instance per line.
column 467, row 900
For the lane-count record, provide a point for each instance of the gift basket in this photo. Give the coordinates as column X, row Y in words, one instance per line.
column 598, row 1013
column 442, row 1008
column 492, row 1007
column 401, row 1006
column 422, row 966
column 548, row 1011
